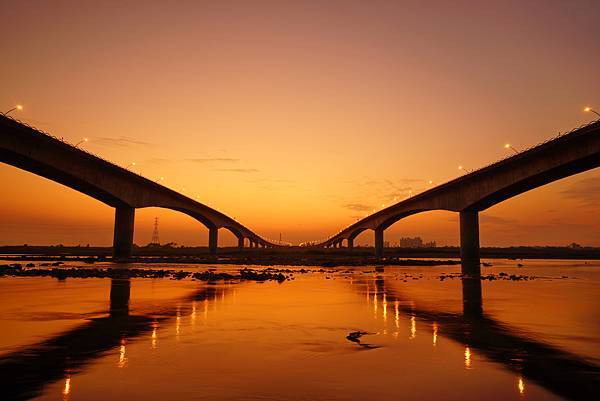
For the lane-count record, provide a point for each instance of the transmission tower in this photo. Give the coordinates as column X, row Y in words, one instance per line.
column 155, row 240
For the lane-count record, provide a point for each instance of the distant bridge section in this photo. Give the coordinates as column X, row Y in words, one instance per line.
column 471, row 193
column 37, row 152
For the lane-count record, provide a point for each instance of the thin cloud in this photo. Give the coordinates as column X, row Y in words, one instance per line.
column 204, row 160
column 158, row 160
column 119, row 141
column 358, row 207
column 237, row 170
column 585, row 191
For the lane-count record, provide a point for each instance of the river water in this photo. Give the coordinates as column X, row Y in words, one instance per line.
column 424, row 338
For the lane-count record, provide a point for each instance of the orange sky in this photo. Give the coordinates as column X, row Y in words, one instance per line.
column 297, row 117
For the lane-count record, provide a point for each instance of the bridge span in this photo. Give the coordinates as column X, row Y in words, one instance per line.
column 563, row 156
column 35, row 151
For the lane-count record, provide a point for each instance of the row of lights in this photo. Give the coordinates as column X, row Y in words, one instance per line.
column 19, row 107
column 460, row 168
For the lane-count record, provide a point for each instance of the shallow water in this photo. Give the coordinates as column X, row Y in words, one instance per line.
column 159, row 339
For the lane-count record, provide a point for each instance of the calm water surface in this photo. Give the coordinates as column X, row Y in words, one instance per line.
column 158, row 339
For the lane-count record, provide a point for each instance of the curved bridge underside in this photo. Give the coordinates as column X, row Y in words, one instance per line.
column 34, row 151
column 561, row 157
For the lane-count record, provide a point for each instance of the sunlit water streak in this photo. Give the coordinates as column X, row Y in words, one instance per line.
column 277, row 340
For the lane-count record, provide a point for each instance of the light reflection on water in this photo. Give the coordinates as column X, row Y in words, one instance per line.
column 293, row 336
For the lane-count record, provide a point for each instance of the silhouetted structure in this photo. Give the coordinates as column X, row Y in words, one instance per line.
column 155, row 239
column 25, row 372
column 37, row 152
column 558, row 371
column 416, row 242
column 558, row 158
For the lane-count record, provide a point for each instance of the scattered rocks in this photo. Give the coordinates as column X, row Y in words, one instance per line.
column 16, row 270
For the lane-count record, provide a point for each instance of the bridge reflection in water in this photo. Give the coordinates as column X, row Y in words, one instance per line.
column 25, row 372
column 563, row 373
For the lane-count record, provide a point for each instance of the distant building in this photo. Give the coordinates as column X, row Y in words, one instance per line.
column 416, row 242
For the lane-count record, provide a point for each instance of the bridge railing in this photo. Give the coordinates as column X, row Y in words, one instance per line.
column 66, row 142
column 472, row 172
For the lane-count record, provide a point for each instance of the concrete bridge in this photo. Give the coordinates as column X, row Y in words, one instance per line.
column 40, row 153
column 566, row 374
column 469, row 194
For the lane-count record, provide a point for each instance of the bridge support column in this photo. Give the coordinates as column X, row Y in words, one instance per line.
column 240, row 244
column 472, row 299
column 469, row 243
column 213, row 240
column 123, row 236
column 350, row 244
column 120, row 290
column 379, row 242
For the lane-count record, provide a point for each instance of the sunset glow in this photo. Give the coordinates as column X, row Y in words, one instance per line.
column 268, row 122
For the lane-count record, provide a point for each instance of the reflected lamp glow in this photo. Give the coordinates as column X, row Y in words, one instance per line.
column 468, row 362
column 521, row 386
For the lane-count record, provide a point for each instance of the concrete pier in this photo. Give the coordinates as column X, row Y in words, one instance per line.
column 213, row 240
column 120, row 290
column 469, row 242
column 240, row 244
column 379, row 242
column 472, row 298
column 350, row 243
column 123, row 233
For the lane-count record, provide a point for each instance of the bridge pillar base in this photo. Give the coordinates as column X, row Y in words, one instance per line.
column 379, row 242
column 469, row 243
column 119, row 297
column 213, row 238
column 472, row 299
column 123, row 233
column 350, row 244
column 240, row 244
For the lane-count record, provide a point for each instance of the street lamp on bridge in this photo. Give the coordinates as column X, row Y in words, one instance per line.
column 18, row 107
column 82, row 141
column 509, row 146
column 589, row 109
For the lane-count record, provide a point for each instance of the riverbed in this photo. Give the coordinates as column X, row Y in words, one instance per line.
column 420, row 333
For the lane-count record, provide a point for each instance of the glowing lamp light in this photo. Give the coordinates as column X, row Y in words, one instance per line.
column 82, row 141
column 588, row 109
column 18, row 107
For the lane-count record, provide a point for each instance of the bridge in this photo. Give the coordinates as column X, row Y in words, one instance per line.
column 562, row 372
column 30, row 149
column 563, row 156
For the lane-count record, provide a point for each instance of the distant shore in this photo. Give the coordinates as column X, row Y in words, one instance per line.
column 359, row 256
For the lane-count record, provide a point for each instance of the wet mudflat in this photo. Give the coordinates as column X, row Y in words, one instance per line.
column 411, row 333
